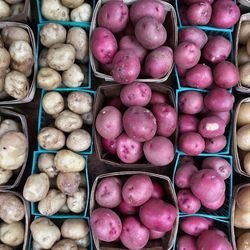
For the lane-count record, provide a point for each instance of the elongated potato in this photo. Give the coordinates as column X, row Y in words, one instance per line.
column 48, row 78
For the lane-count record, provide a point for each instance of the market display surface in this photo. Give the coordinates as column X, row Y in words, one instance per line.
column 124, row 125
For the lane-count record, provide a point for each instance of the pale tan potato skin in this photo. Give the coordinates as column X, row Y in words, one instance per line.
column 241, row 218
column 72, row 3
column 4, row 59
column 68, row 183
column 243, row 137
column 36, row 245
column 4, row 247
column 73, row 77
column 244, row 32
column 77, row 201
column 53, row 103
column 16, row 9
column 78, row 140
column 246, row 163
column 244, row 74
column 243, row 200
column 84, row 242
column 13, row 1
column 8, row 125
column 42, row 61
column 80, row 102
column 243, row 242
column 5, row 175
column 82, row 13
column 243, row 56
column 64, row 209
column 48, row 78
column 244, row 114
column 65, row 244
column 4, row 9
column 46, row 164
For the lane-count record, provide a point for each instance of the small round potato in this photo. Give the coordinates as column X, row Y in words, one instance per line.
column 53, row 103
column 48, row 78
column 74, row 229
column 88, row 118
column 16, row 9
column 77, row 201
column 46, row 164
column 42, row 61
column 73, row 77
column 52, row 203
column 78, row 140
column 12, row 234
column 36, row 245
column 45, row 232
column 16, row 85
column 5, row 176
column 67, row 121
column 64, row 209
column 52, row 33
column 67, row 161
column 4, row 9
column 4, row 58
column 36, row 187
column 72, row 3
column 51, row 138
column 4, row 247
column 61, row 56
column 65, row 245
column 80, row 102
column 8, row 125
column 84, row 242
column 83, row 13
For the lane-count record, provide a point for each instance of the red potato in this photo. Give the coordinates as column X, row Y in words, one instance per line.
column 137, row 190
column 109, row 122
column 219, row 232
column 157, row 98
column 217, row 49
column 150, row 33
column 199, row 13
column 186, row 242
column 191, row 102
column 105, row 224
column 159, row 151
column 184, row 173
column 225, row 14
column 136, row 94
column 187, row 55
column 182, row 72
column 126, row 209
column 139, row 123
column 225, row 116
column 159, row 62
column 158, row 215
column 110, row 145
column 103, row 45
column 134, row 234
column 126, row 66
column 214, row 205
column 207, row 185
column 187, row 202
column 219, row 100
column 183, row 15
column 116, row 102
column 153, row 235
column 113, row 15
column 188, row 123
column 158, row 192
column 130, row 42
column 226, row 75
column 191, row 143
column 215, row 145
column 219, row 164
column 128, row 150
column 109, row 192
column 142, row 8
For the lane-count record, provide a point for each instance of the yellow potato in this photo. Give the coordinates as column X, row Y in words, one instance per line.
column 243, row 200
column 243, row 242
column 241, row 219
column 244, row 114
column 246, row 163
column 244, row 33
column 243, row 138
column 244, row 74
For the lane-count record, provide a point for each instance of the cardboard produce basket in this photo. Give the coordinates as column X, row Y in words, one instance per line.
column 103, row 94
column 245, row 3
column 165, row 243
column 170, row 24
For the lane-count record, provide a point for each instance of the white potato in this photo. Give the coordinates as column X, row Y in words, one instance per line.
column 46, row 164
column 36, row 245
column 53, row 103
column 73, row 77
column 82, row 13
column 36, row 187
column 88, row 118
column 77, row 201
column 8, row 125
column 4, row 247
column 84, row 242
column 52, row 33
column 4, row 9
column 45, row 232
column 16, row 9
column 13, row 1
column 67, row 161
column 80, row 102
column 65, row 245
column 4, row 58
column 42, row 61
column 48, row 78
column 64, row 209
column 78, row 140
column 72, row 3
column 5, row 176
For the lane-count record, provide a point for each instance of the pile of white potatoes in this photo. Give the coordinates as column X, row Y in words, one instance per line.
column 73, row 234
column 16, row 62
column 66, row 10
column 60, row 186
column 63, row 58
column 12, row 228
column 70, row 117
column 10, row 8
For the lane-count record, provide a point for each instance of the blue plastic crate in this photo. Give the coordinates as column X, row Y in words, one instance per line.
column 229, row 129
column 35, row 169
column 224, row 212
column 45, row 119
column 66, row 25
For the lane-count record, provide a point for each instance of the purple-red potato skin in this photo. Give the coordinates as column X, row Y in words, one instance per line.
column 195, row 225
column 128, row 150
column 186, row 242
column 110, row 145
column 184, row 173
column 188, row 123
column 187, row 202
column 109, row 122
column 159, row 62
column 158, row 192
column 103, row 45
column 142, row 8
column 130, row 42
column 166, row 119
column 157, row 98
column 158, row 215
column 200, row 76
column 113, row 15
column 191, row 143
column 211, row 240
column 199, row 13
column 105, row 224
column 159, row 151
column 137, row 190
column 139, row 123
column 150, row 33
column 126, row 209
column 193, row 35
column 219, row 164
column 183, row 14
column 134, row 234
column 136, row 94
column 226, row 75
column 219, row 232
column 225, row 116
column 215, row 145
column 182, row 72
column 153, row 235
column 214, row 205
column 126, row 66
column 187, row 55
column 219, row 100
column 207, row 185
column 191, row 102
column 217, row 49
column 116, row 102
column 225, row 14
